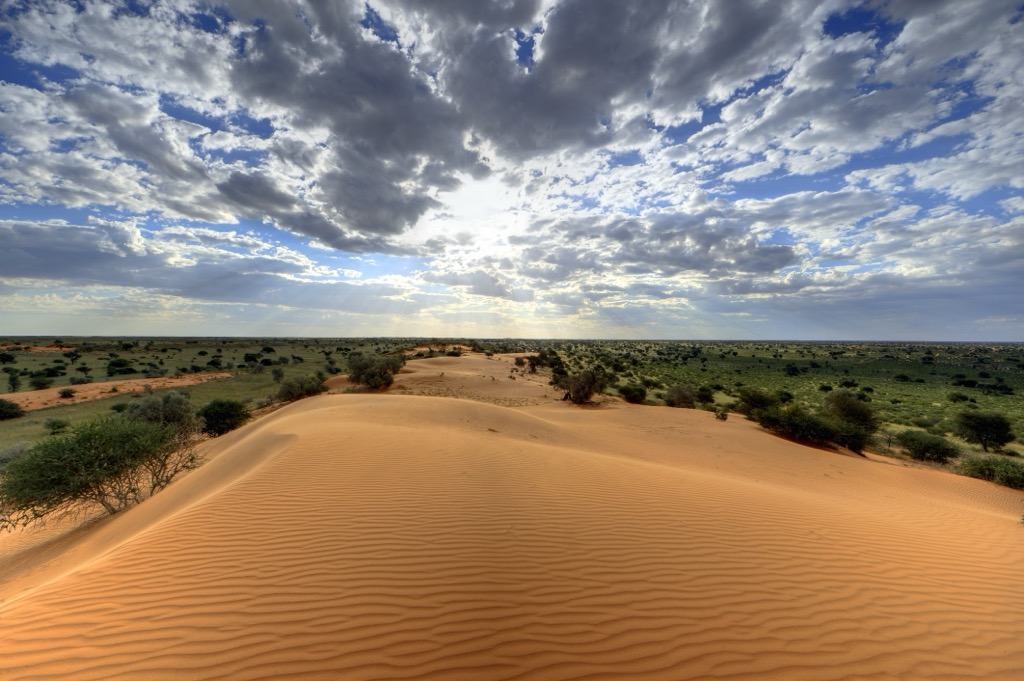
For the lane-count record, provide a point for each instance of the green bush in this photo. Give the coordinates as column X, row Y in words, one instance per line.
column 998, row 469
column 633, row 393
column 222, row 416
column 927, row 447
column 374, row 371
column 40, row 382
column 173, row 408
column 10, row 410
column 582, row 386
column 56, row 426
column 795, row 423
column 681, row 396
column 66, row 393
column 112, row 462
column 753, row 400
column 299, row 387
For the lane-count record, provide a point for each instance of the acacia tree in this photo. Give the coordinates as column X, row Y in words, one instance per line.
column 112, row 462
column 984, row 428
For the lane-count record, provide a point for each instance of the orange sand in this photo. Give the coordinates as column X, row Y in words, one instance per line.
column 50, row 397
column 402, row 536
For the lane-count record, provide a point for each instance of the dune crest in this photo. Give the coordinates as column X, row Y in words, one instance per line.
column 407, row 536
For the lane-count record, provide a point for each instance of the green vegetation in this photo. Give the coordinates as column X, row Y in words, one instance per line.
column 112, row 462
column 299, row 387
column 927, row 447
column 996, row 468
column 985, row 429
column 10, row 410
column 374, row 371
column 582, row 386
column 222, row 416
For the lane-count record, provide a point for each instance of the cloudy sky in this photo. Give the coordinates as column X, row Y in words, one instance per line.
column 737, row 169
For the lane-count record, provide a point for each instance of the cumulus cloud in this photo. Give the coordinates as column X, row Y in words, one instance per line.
column 671, row 159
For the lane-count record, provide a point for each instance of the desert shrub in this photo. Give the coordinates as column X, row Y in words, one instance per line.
column 56, row 426
column 927, row 447
column 374, row 371
column 113, row 462
column 67, row 393
column 986, row 429
column 582, row 386
column 681, row 396
column 753, row 400
column 633, row 393
column 300, row 386
column 79, row 380
column 795, row 423
column 277, row 373
column 705, row 394
column 40, row 382
column 173, row 409
column 10, row 410
column 222, row 416
column 721, row 414
column 995, row 468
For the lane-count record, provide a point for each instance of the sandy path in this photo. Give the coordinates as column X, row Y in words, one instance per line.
column 395, row 536
column 41, row 399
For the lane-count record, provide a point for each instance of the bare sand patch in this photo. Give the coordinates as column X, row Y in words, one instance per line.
column 368, row 536
column 50, row 397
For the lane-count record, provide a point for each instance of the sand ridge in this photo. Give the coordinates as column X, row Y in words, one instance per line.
column 365, row 536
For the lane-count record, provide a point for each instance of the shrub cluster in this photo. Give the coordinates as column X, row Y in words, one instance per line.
column 374, row 371
column 301, row 386
column 10, row 410
column 633, row 393
column 927, row 447
column 998, row 469
column 845, row 419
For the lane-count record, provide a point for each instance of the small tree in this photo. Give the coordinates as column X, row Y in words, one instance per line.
column 277, row 373
column 10, row 410
column 583, row 385
column 109, row 462
column 222, row 416
column 986, row 429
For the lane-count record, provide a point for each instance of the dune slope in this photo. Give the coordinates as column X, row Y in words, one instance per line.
column 411, row 537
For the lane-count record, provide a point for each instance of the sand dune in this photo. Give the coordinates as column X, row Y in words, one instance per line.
column 404, row 536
